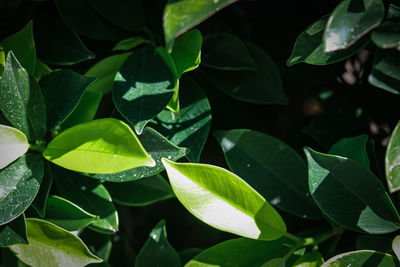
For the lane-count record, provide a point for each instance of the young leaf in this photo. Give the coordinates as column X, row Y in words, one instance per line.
column 352, row 148
column 262, row 160
column 13, row 232
column 311, row 259
column 62, row 91
column 396, row 246
column 350, row 21
column 386, row 71
column 50, row 245
column 387, row 35
column 143, row 87
column 224, row 201
column 362, row 258
column 19, row 183
column 100, row 146
column 392, row 160
column 180, row 16
column 157, row 251
column 39, row 203
column 13, row 144
column 350, row 194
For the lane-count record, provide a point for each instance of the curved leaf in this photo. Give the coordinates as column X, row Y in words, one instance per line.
column 396, row 246
column 13, row 144
column 100, row 244
column 392, row 160
column 311, row 259
column 352, row 148
column 39, row 203
column 387, row 35
column 186, row 52
column 362, row 258
column 129, row 43
column 386, row 71
column 13, row 232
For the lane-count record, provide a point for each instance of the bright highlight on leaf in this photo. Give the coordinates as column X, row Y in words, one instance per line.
column 362, row 258
column 13, row 144
column 392, row 161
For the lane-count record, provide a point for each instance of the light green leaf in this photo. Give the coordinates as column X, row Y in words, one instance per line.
column 187, row 51
column 39, row 203
column 386, row 71
column 311, row 259
column 396, row 246
column 2, row 60
column 50, row 245
column 129, row 43
column 100, row 146
column 13, row 232
column 352, row 148
column 224, row 201
column 13, row 144
column 362, row 258
column 392, row 160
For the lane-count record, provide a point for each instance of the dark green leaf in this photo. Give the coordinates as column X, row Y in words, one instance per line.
column 187, row 254
column 392, row 161
column 311, row 259
column 13, row 144
column 262, row 161
column 396, row 246
column 99, row 244
column 41, row 70
column 129, row 43
column 39, row 204
column 157, row 251
column 186, row 52
column 353, row 148
column 363, row 258
column 386, row 71
column 10, row 260
column 13, row 232
column 387, row 35
column 350, row 194
column 373, row 242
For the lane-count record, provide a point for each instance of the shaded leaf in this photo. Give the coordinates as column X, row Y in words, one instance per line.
column 99, row 244
column 186, row 52
column 41, row 70
column 189, row 253
column 386, row 71
column 13, row 232
column 13, row 144
column 311, row 259
column 352, row 148
column 373, row 242
column 362, row 258
column 129, row 43
column 387, row 35
column 392, row 160
column 39, row 203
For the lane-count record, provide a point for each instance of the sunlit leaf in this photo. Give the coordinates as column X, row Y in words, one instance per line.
column 362, row 258
column 392, row 160
column 13, row 144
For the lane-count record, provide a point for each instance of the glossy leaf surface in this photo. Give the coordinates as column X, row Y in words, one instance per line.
column 13, row 232
column 13, row 144
column 352, row 148
column 362, row 258
column 187, row 51
column 129, row 43
column 262, row 160
column 396, row 246
column 41, row 70
column 100, row 146
column 392, row 160
column 386, row 71
column 387, row 35
column 50, row 245
column 224, row 201
column 336, row 182
column 39, row 203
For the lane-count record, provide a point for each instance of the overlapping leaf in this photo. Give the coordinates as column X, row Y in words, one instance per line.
column 13, row 232
column 13, row 144
column 392, row 161
column 363, row 258
column 353, row 148
column 386, row 71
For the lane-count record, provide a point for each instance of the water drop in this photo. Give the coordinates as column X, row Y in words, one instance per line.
column 248, row 165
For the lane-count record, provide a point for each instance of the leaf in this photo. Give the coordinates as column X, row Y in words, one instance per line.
column 142, row 192
column 224, row 51
column 39, row 203
column 158, row 147
column 129, row 43
column 157, row 251
column 336, row 182
column 224, row 201
column 396, row 246
column 2, row 60
column 259, row 87
column 41, row 70
column 362, row 258
column 100, row 146
column 19, row 184
column 180, row 16
column 309, row 48
column 392, row 160
column 242, row 252
column 23, row 46
column 10, row 260
column 89, row 195
column 142, row 87
column 350, row 21
column 262, row 160
column 192, row 127
column 387, row 35
column 13, row 232
column 105, row 71
column 189, row 253
column 353, row 148
column 311, row 259
column 62, row 91
column 386, row 71
column 21, row 100
column 80, row 16
column 99, row 244
column 50, row 245
column 13, row 144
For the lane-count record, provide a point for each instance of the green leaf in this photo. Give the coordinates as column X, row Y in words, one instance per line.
column 311, row 259
column 387, row 35
column 100, row 146
column 386, row 71
column 39, row 203
column 224, row 51
column 99, row 244
column 309, row 48
column 19, row 183
column 13, row 144
column 62, row 91
column 142, row 192
column 349, row 194
column 143, row 87
column 242, row 252
column 89, row 195
column 180, row 16
column 129, row 43
column 262, row 160
column 353, row 148
column 41, row 70
column 362, row 258
column 186, row 52
column 21, row 100
column 392, row 160
column 396, row 246
column 50, row 245
column 10, row 260
column 157, row 251
column 13, row 232
column 350, row 21
column 189, row 253
column 263, row 86
column 2, row 60
column 23, row 46
column 224, row 201
column 158, row 147
column 80, row 16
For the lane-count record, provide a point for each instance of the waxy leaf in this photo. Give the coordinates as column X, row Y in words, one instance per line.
column 21, row 100
column 386, row 71
column 158, row 147
column 143, row 87
column 350, row 21
column 362, row 258
column 13, row 144
column 224, row 201
column 349, row 194
column 387, row 35
column 62, row 91
column 182, row 15
column 157, row 251
column 392, row 160
column 19, row 184
column 311, row 259
column 142, row 192
column 13, row 232
column 41, row 70
column 396, row 246
column 352, row 148
column 39, row 203
column 186, row 52
column 129, row 43
column 100, row 146
column 261, row 160
column 50, row 245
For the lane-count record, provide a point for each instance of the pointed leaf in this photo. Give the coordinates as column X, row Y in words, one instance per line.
column 224, row 201
column 13, row 144
column 386, row 71
column 311, row 259
column 396, row 246
column 352, row 148
column 186, row 52
column 129, row 43
column 39, row 204
column 387, row 35
column 13, row 232
column 362, row 258
column 100, row 146
column 392, row 160
column 41, row 70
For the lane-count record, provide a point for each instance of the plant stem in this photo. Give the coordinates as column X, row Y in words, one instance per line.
column 38, row 146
